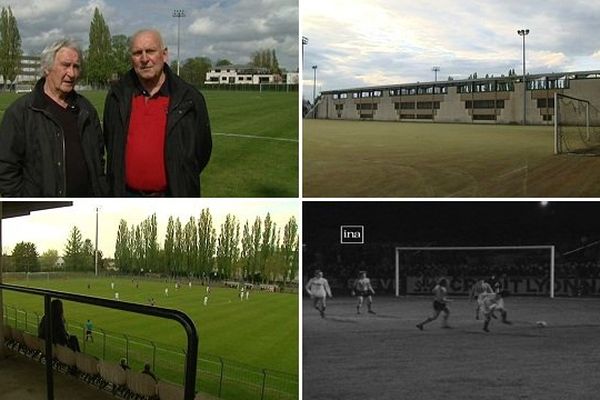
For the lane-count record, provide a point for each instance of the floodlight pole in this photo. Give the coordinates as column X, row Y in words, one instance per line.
column 435, row 69
column 178, row 14
column 314, row 67
column 523, row 33
column 304, row 43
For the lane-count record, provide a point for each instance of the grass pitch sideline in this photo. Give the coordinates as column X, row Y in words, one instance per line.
column 391, row 159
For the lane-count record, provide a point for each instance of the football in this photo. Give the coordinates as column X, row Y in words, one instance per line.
column 541, row 324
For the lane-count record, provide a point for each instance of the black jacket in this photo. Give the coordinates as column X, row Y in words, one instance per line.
column 32, row 147
column 188, row 138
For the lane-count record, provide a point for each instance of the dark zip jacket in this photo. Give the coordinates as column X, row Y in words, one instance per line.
column 32, row 147
column 188, row 138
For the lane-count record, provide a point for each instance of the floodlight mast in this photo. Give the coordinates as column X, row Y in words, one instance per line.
column 523, row 33
column 460, row 248
column 435, row 69
column 178, row 14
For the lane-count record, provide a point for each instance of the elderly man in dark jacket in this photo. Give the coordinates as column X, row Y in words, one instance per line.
column 156, row 127
column 51, row 142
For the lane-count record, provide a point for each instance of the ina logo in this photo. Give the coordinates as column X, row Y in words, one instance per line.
column 352, row 234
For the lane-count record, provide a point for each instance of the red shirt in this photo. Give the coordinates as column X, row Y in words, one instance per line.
column 145, row 151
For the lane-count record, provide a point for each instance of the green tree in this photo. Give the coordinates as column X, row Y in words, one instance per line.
column 10, row 46
column 87, row 255
column 99, row 62
column 289, row 250
column 120, row 51
column 206, row 242
column 73, row 256
column 48, row 260
column 223, row 62
column 122, row 250
column 25, row 257
column 228, row 248
column 178, row 250
column 194, row 70
column 169, row 247
column 190, row 234
column 266, row 58
column 151, row 244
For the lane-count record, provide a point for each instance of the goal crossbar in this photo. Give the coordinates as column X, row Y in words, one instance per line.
column 550, row 248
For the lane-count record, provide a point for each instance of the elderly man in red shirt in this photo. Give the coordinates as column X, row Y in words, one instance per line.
column 156, row 127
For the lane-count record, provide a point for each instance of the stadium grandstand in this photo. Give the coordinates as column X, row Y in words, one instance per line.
column 477, row 99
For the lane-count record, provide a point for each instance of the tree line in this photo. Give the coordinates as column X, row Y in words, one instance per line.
column 107, row 58
column 258, row 252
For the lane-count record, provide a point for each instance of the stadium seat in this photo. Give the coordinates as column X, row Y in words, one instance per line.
column 65, row 357
column 114, row 376
column 169, row 391
column 33, row 346
column 143, row 386
column 88, row 368
column 19, row 343
column 8, row 338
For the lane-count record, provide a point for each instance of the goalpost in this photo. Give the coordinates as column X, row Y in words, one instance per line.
column 576, row 126
column 549, row 248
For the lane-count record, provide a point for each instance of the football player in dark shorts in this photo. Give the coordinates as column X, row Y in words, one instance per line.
column 440, row 304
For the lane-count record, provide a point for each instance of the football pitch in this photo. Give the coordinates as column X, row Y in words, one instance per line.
column 391, row 159
column 384, row 356
column 261, row 332
column 255, row 142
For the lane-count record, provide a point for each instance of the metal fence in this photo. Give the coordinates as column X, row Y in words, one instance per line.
column 215, row 375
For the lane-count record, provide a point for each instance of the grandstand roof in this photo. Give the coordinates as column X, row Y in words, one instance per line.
column 456, row 82
column 12, row 209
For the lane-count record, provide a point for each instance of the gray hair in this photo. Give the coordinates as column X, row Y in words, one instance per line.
column 156, row 32
column 49, row 53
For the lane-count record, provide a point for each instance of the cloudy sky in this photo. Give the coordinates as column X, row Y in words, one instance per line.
column 49, row 229
column 365, row 43
column 231, row 29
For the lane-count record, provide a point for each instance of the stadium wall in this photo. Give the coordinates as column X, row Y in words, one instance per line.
column 487, row 100
column 461, row 286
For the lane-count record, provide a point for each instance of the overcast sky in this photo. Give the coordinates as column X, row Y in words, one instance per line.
column 231, row 29
column 49, row 229
column 366, row 43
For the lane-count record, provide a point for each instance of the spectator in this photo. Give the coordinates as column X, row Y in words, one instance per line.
column 123, row 364
column 59, row 331
column 147, row 371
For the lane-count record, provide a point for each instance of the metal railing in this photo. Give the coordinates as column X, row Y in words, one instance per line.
column 178, row 316
column 218, row 376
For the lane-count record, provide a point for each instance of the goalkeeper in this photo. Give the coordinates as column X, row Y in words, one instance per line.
column 363, row 289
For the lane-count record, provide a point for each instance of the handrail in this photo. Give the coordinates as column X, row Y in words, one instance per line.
column 176, row 315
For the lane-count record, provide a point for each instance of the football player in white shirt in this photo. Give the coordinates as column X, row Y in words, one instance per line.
column 493, row 302
column 363, row 289
column 480, row 287
column 318, row 289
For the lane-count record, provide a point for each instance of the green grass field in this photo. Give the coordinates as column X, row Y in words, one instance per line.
column 390, row 159
column 261, row 333
column 261, row 162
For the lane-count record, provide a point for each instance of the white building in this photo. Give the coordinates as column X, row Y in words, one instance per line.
column 240, row 75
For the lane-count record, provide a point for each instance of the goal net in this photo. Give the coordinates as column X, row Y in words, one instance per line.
column 576, row 126
column 528, row 270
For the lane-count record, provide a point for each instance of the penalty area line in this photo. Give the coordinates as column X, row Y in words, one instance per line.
column 254, row 137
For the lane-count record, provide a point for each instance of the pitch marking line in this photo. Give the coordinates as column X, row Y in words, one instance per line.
column 255, row 137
